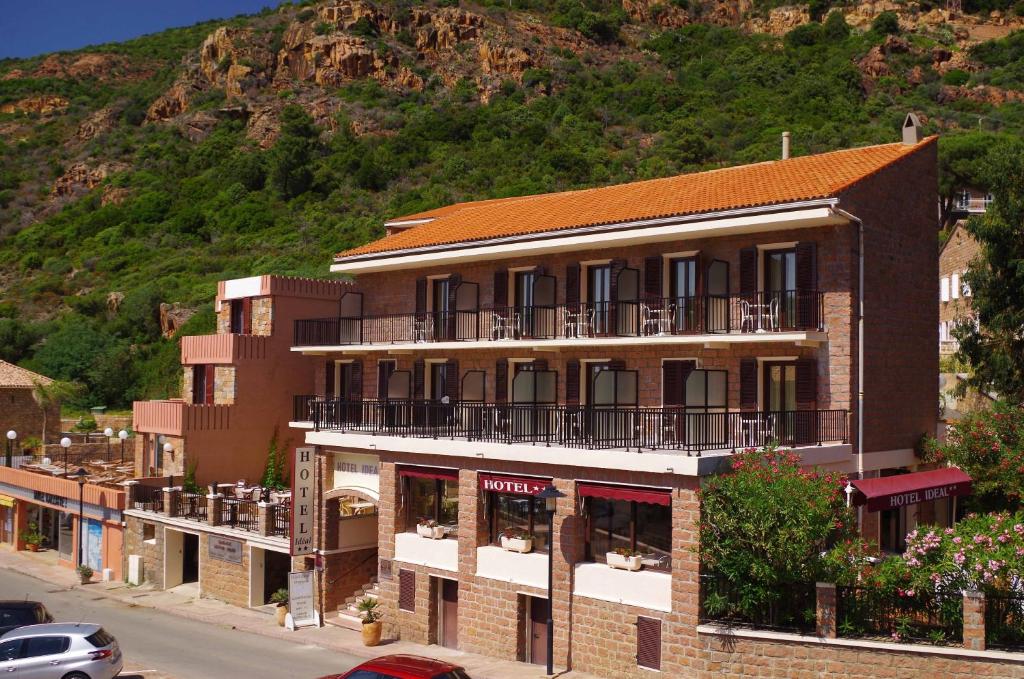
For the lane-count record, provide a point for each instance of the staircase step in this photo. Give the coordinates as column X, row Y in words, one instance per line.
column 345, row 620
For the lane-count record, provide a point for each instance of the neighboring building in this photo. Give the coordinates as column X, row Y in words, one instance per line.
column 236, row 396
column 619, row 343
column 19, row 411
column 954, row 293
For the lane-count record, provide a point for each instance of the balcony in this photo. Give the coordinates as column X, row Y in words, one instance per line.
column 948, row 347
column 674, row 429
column 226, row 349
column 757, row 315
column 176, row 418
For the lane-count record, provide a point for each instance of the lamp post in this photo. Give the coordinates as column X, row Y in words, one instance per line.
column 11, row 435
column 81, row 475
column 107, row 433
column 122, row 435
column 849, row 494
column 65, row 443
column 550, row 495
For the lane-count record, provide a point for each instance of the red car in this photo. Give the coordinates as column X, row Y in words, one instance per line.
column 403, row 667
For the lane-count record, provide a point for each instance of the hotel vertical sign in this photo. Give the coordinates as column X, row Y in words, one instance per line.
column 303, row 473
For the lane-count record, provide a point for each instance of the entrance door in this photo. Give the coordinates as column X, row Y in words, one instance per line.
column 173, row 555
column 524, row 282
column 190, row 558
column 275, row 573
column 780, row 398
column 780, row 286
column 449, row 614
column 683, row 293
column 537, row 631
column 599, row 296
column 440, row 290
column 66, row 541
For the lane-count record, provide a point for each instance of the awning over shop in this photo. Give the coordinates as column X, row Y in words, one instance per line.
column 517, row 485
column 6, row 501
column 893, row 492
column 651, row 496
column 430, row 473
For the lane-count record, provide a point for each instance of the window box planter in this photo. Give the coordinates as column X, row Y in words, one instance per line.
column 521, row 545
column 626, row 563
column 432, row 532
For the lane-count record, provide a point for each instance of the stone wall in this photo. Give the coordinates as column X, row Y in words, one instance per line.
column 346, row 572
column 262, row 315
column 955, row 258
column 19, row 411
column 151, row 551
column 222, row 579
column 224, row 385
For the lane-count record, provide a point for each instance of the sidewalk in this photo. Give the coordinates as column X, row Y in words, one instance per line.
column 253, row 621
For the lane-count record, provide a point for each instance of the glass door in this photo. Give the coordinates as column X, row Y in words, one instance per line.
column 683, row 293
column 524, row 281
column 779, row 401
column 439, row 297
column 780, row 290
column 599, row 297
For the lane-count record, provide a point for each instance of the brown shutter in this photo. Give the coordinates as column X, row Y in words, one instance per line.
column 673, row 381
column 406, row 590
column 247, row 316
column 748, row 270
column 616, row 267
column 421, row 295
column 572, row 383
column 806, row 383
column 807, row 285
column 501, row 381
column 653, row 277
column 501, row 288
column 418, row 369
column 451, row 379
column 329, row 379
column 572, row 284
column 648, row 642
column 355, row 383
column 450, row 325
column 211, row 372
column 748, row 384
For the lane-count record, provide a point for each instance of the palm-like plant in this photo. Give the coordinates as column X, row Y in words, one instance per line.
column 47, row 395
column 370, row 608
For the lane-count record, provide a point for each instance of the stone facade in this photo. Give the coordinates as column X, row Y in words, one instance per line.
column 223, row 580
column 20, row 412
column 954, row 259
column 224, row 385
column 262, row 316
column 151, row 550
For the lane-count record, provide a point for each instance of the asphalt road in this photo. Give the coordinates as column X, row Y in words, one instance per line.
column 163, row 645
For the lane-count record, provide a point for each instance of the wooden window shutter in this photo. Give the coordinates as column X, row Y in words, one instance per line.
column 418, row 379
column 673, row 381
column 572, row 383
column 329, row 379
column 572, row 284
column 653, row 277
column 806, row 383
column 211, row 372
column 748, row 384
column 407, row 590
column 247, row 316
column 748, row 270
column 501, row 381
column 355, row 383
column 421, row 295
column 807, row 285
column 648, row 642
column 451, row 378
column 501, row 288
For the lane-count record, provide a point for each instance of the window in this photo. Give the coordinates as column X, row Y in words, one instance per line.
column 524, row 281
column 454, row 674
column 368, row 674
column 599, row 295
column 944, row 289
column 385, row 369
column 954, row 286
column 436, row 499
column 15, row 617
column 237, row 314
column 36, row 647
column 779, row 387
column 965, row 288
column 438, row 380
column 682, row 285
column 199, row 386
column 963, row 199
column 149, row 532
column 521, row 513
column 9, row 650
column 100, row 638
column 643, row 527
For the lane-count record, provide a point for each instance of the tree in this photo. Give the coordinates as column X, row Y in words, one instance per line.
column 962, row 161
column 291, row 173
column 994, row 347
column 48, row 395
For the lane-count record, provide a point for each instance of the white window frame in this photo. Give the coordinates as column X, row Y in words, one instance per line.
column 954, row 286
column 944, row 289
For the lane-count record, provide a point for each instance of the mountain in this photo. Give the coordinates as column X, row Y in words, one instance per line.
column 135, row 175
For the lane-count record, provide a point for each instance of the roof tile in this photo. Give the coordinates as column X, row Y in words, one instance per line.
column 15, row 377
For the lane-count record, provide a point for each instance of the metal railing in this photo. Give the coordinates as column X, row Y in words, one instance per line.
column 755, row 312
column 282, row 520
column 241, row 514
column 875, row 612
column 592, row 427
column 149, row 498
column 190, row 506
column 788, row 606
column 301, row 407
column 1004, row 621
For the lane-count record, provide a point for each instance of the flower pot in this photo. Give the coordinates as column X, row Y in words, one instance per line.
column 521, row 545
column 628, row 563
column 281, row 613
column 371, row 633
column 32, row 547
column 84, row 579
column 432, row 532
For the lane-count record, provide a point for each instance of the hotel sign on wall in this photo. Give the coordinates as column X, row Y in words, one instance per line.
column 225, row 549
column 303, row 473
column 357, row 471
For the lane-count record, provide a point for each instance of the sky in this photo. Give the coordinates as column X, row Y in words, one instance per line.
column 31, row 27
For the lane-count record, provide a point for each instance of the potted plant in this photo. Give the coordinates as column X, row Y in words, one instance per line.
column 624, row 558
column 428, row 528
column 32, row 538
column 84, row 573
column 516, row 540
column 280, row 598
column 370, row 610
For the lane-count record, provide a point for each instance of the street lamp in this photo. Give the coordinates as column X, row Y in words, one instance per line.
column 550, row 495
column 107, row 433
column 849, row 494
column 65, row 443
column 81, row 475
column 122, row 435
column 11, row 435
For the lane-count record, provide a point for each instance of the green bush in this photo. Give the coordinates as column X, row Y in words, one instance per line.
column 886, row 23
column 805, row 35
column 835, row 27
column 956, row 77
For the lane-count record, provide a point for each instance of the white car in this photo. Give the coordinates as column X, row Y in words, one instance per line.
column 64, row 650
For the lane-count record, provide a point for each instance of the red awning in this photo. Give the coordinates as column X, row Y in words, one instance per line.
column 651, row 496
column 430, row 473
column 893, row 492
column 518, row 485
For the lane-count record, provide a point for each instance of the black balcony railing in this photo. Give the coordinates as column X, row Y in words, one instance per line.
column 582, row 427
column 241, row 514
column 191, row 506
column 282, row 519
column 302, row 408
column 758, row 312
column 873, row 612
column 149, row 498
column 1004, row 621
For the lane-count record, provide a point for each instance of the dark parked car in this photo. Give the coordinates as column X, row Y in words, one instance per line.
column 15, row 614
column 403, row 667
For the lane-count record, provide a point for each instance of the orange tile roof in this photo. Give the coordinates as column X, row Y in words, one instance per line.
column 760, row 184
column 15, row 377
